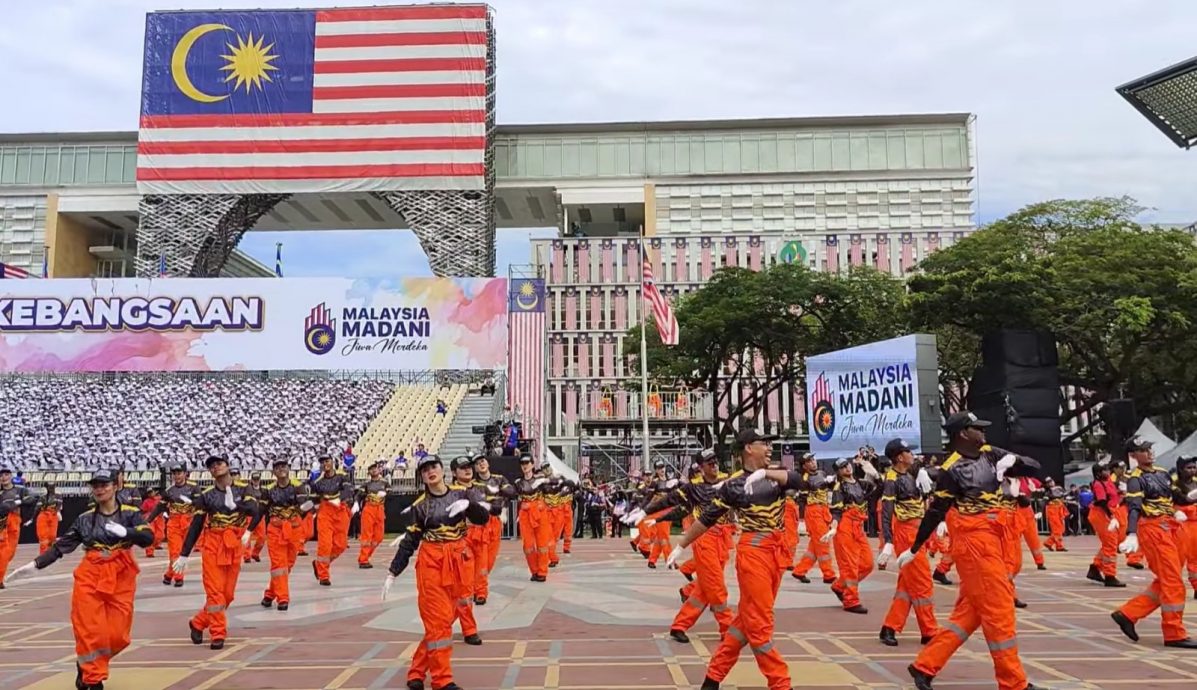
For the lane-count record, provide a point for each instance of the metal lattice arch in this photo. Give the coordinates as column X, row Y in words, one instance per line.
column 194, row 234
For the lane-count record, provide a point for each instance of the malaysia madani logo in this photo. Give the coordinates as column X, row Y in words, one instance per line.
column 320, row 330
column 822, row 410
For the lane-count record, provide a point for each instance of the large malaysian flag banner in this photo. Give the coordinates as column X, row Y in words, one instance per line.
column 335, row 100
column 526, row 351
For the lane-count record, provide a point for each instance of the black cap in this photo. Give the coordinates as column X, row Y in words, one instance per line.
column 461, row 461
column 428, row 460
column 102, row 477
column 5, row 469
column 525, row 458
column 963, row 420
column 895, row 448
column 841, row 463
column 807, row 456
column 280, row 461
column 747, row 437
column 1186, row 461
column 660, row 465
column 177, row 467
column 1099, row 467
column 707, row 455
column 213, row 459
column 1135, row 444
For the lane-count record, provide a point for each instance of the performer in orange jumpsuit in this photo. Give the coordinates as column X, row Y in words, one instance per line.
column 282, row 504
column 372, row 496
column 557, row 493
column 438, row 523
column 1150, row 527
column 903, row 508
column 178, row 502
column 224, row 510
column 497, row 488
column 49, row 515
column 757, row 495
column 1183, row 484
column 305, row 534
column 1134, row 559
column 13, row 499
column 817, row 518
column 334, row 488
column 158, row 524
column 1028, row 519
column 258, row 530
column 105, row 580
column 462, row 468
column 712, row 550
column 535, row 528
column 1057, row 513
column 849, row 511
column 1104, row 515
column 971, row 481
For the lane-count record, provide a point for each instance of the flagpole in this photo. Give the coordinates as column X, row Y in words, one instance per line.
column 644, row 452
column 544, row 381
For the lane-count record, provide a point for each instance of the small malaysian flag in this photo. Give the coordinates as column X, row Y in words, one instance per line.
column 10, row 271
column 162, row 272
column 662, row 313
column 278, row 259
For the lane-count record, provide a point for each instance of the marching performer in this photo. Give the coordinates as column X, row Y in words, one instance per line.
column 105, row 580
column 1103, row 517
column 127, row 495
column 656, row 488
column 498, row 489
column 902, row 511
column 1028, row 520
column 1057, row 513
column 711, row 551
column 224, row 510
column 49, row 515
column 372, row 496
column 817, row 518
column 1150, row 526
column 971, row 482
column 535, row 530
column 283, row 505
column 258, row 528
column 1118, row 474
column 178, row 501
column 554, row 500
column 463, row 480
column 1184, row 483
column 757, row 495
column 12, row 499
column 158, row 524
column 334, row 488
column 438, row 522
column 850, row 508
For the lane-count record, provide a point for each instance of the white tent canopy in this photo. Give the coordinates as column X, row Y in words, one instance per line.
column 1185, row 449
column 1150, row 432
column 559, row 467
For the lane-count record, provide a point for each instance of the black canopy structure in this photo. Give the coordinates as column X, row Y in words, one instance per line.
column 1168, row 99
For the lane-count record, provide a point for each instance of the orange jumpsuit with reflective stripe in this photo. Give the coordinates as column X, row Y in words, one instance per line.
column 1186, row 540
column 1012, row 544
column 853, row 554
column 221, row 563
column 818, row 520
column 47, row 528
column 1029, row 527
column 497, row 490
column 282, row 549
column 708, row 590
column 10, row 535
column 535, row 524
column 1056, row 512
column 1149, row 515
column 1106, row 559
column 902, row 511
column 790, row 525
column 374, row 520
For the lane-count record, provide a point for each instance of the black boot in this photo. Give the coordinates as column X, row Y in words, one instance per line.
column 679, row 636
column 857, row 609
column 216, row 644
column 282, row 606
column 708, row 684
column 78, row 677
column 941, row 578
column 1019, row 603
column 888, row 637
column 197, row 636
column 681, row 592
column 1041, row 566
column 1111, row 581
column 1094, row 574
column 922, row 681
column 415, row 685
column 1187, row 643
column 801, row 578
column 480, row 601
column 1136, row 566
column 473, row 640
column 1125, row 624
column 267, row 602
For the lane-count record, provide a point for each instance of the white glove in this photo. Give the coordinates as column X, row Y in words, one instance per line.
column 485, row 505
column 802, row 527
column 869, row 470
column 1179, row 516
column 386, row 585
column 381, row 494
column 830, row 533
column 1122, row 487
column 228, row 499
column 538, row 482
column 1014, row 487
column 179, row 565
column 60, row 516
column 887, row 552
column 355, row 509
column 245, row 538
column 306, row 506
column 633, row 517
column 1114, row 525
column 396, row 540
column 1008, row 460
column 503, row 517
column 457, row 507
column 27, row 523
column 1192, row 495
column 649, row 522
column 905, row 558
column 673, row 556
column 942, row 530
column 491, row 489
column 1038, row 516
column 335, row 501
column 923, row 481
column 672, row 483
column 116, row 530
column 184, row 499
column 20, row 573
column 1130, row 544
column 754, row 478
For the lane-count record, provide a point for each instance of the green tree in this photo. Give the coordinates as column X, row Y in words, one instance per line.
column 755, row 328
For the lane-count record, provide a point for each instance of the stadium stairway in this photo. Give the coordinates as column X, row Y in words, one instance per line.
column 475, row 410
column 407, row 419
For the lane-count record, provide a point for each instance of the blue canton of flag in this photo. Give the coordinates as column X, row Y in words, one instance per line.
column 228, row 63
column 278, row 259
column 526, row 296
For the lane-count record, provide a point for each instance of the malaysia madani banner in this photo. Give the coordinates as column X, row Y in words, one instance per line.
column 216, row 324
column 871, row 394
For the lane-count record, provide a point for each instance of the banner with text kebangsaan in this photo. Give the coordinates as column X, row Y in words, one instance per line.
column 216, row 324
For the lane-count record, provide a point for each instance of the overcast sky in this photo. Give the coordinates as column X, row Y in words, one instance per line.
column 1039, row 75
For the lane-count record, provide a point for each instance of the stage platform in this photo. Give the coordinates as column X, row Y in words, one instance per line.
column 599, row 623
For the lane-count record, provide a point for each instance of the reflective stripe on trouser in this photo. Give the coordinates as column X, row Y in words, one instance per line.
column 1186, row 542
column 986, row 600
column 914, row 587
column 281, row 547
column 1167, row 590
column 176, row 534
column 818, row 521
column 47, row 529
column 660, row 535
column 854, row 556
column 556, row 523
column 10, row 534
column 221, row 565
column 711, row 553
column 374, row 520
column 1029, row 528
column 567, row 519
column 535, row 532
column 1106, row 559
column 1056, row 514
column 465, row 602
column 1012, row 545
column 332, row 536
column 441, row 582
column 102, row 610
column 789, row 522
column 760, row 561
column 492, row 536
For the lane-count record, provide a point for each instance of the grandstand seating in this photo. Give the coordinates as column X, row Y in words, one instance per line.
column 409, row 418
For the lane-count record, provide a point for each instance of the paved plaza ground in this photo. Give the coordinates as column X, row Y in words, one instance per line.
column 599, row 623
